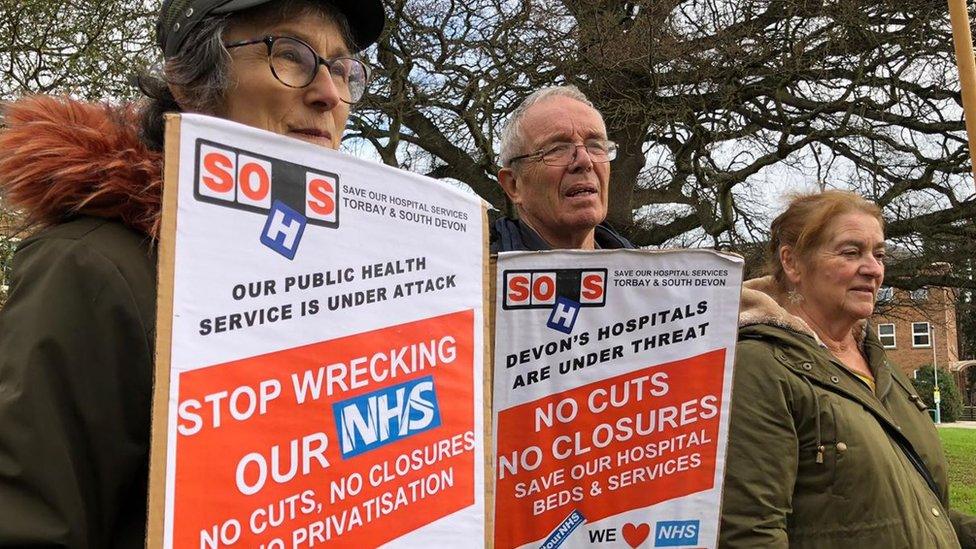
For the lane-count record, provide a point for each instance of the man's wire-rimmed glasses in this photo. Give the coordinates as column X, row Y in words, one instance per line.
column 562, row 154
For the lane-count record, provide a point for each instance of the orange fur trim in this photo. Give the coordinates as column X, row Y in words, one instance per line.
column 60, row 158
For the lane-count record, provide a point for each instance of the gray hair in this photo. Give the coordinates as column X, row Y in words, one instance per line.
column 201, row 72
column 512, row 140
column 201, row 67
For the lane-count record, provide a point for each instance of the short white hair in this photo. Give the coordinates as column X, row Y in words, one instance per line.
column 512, row 140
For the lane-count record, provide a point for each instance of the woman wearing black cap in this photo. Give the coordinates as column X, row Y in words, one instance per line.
column 77, row 332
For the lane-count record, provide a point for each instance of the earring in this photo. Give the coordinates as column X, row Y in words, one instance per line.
column 794, row 297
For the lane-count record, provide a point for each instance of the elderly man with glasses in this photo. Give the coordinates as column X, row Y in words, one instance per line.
column 555, row 159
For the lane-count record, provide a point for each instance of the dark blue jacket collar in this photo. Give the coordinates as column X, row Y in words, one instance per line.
column 511, row 235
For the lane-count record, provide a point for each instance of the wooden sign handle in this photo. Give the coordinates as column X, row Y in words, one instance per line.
column 963, row 40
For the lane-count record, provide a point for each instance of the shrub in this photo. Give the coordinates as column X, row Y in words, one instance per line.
column 951, row 399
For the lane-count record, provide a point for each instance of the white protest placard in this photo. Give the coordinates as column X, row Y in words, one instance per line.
column 612, row 379
column 320, row 349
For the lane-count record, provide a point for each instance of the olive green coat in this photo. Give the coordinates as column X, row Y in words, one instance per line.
column 77, row 331
column 816, row 459
column 76, row 343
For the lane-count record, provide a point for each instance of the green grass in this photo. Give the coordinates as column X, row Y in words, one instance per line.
column 960, row 449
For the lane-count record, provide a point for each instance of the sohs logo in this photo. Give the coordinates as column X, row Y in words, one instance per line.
column 563, row 291
column 289, row 195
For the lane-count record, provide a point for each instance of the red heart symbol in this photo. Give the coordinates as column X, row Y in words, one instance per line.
column 635, row 534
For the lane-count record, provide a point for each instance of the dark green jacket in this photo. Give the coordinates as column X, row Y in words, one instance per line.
column 77, row 330
column 76, row 341
column 817, row 460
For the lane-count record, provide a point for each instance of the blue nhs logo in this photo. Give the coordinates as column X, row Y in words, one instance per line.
column 390, row 414
column 675, row 533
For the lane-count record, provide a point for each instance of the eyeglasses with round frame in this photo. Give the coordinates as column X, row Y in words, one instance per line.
column 295, row 64
column 562, row 154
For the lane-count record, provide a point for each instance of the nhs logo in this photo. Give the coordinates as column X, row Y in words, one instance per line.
column 675, row 533
column 393, row 413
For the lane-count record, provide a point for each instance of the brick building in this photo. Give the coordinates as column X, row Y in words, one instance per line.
column 918, row 327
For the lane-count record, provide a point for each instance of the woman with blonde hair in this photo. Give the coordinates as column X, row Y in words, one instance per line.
column 829, row 443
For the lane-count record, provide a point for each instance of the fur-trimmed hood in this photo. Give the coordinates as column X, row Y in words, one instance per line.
column 763, row 303
column 60, row 158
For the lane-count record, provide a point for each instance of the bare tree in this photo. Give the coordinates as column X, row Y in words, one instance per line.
column 719, row 107
column 87, row 49
column 10, row 235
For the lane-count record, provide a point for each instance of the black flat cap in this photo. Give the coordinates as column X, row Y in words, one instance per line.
column 178, row 17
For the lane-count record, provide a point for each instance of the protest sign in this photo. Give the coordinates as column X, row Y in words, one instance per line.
column 320, row 349
column 612, row 377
